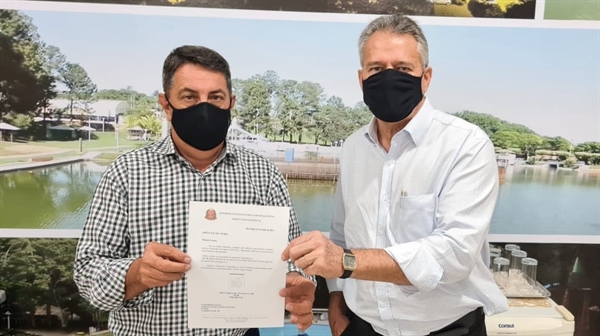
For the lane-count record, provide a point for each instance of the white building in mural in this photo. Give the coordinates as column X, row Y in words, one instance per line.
column 101, row 111
column 263, row 146
column 238, row 135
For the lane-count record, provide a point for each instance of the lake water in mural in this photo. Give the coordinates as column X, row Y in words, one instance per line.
column 532, row 200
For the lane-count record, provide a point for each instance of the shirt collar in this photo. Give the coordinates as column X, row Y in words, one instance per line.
column 416, row 128
column 167, row 147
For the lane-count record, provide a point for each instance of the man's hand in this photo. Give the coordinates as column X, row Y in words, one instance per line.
column 159, row 266
column 299, row 296
column 338, row 322
column 315, row 254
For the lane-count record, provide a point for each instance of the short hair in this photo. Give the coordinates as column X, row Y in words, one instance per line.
column 197, row 55
column 399, row 25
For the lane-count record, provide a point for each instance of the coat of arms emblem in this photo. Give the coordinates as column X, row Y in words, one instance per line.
column 211, row 214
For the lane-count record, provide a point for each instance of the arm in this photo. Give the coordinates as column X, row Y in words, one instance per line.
column 280, row 196
column 337, row 236
column 102, row 259
column 338, row 321
column 466, row 204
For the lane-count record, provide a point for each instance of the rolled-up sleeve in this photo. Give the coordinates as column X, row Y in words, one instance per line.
column 465, row 207
column 336, row 234
column 279, row 195
column 102, row 258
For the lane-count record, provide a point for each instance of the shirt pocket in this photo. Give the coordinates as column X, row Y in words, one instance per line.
column 414, row 218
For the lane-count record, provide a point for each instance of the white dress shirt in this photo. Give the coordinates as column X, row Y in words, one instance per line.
column 428, row 202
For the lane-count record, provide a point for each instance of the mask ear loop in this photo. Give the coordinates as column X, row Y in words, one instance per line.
column 230, row 110
column 168, row 102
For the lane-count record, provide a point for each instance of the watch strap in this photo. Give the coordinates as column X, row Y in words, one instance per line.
column 347, row 273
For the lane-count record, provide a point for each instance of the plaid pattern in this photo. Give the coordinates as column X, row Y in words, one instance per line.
column 143, row 196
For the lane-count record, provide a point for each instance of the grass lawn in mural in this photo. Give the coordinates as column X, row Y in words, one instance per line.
column 572, row 10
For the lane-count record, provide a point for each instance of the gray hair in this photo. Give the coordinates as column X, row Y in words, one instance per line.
column 198, row 55
column 399, row 25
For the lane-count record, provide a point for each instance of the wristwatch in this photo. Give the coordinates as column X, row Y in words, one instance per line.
column 348, row 263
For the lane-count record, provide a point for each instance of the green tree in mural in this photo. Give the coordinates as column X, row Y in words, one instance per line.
column 589, row 147
column 26, row 81
column 21, row 91
column 37, row 276
column 557, row 144
column 521, row 10
column 139, row 103
column 275, row 107
column 490, row 124
column 255, row 104
column 80, row 88
column 480, row 8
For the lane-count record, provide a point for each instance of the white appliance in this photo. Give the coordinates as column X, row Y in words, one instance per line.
column 539, row 321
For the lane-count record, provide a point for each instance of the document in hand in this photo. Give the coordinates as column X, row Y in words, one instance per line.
column 237, row 271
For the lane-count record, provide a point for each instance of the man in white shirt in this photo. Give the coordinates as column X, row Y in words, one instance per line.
column 416, row 193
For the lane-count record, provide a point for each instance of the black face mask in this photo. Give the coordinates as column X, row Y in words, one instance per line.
column 392, row 95
column 203, row 126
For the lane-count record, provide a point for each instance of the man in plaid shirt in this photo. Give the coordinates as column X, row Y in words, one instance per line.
column 131, row 257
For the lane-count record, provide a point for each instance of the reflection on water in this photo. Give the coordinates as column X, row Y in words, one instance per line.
column 531, row 201
column 55, row 197
column 548, row 201
column 313, row 202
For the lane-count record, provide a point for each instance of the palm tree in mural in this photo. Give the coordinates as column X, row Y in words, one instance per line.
column 149, row 122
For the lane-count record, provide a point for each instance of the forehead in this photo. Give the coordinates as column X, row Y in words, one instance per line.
column 198, row 78
column 388, row 47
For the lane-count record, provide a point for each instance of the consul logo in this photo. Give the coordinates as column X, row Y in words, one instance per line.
column 506, row 325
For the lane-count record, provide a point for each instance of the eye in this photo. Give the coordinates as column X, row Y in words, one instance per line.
column 405, row 69
column 187, row 97
column 216, row 98
column 375, row 69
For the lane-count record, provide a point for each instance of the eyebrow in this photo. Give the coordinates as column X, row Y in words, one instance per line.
column 187, row 89
column 217, row 91
column 377, row 63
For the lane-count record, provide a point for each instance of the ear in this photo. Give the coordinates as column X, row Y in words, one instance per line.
column 426, row 79
column 162, row 100
column 360, row 78
column 232, row 102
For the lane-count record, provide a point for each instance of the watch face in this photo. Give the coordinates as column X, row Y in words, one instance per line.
column 349, row 262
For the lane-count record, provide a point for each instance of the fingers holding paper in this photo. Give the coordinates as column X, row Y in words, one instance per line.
column 299, row 296
column 162, row 264
column 159, row 266
column 315, row 254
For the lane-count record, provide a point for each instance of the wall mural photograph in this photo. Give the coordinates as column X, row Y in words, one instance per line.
column 76, row 93
column 509, row 9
